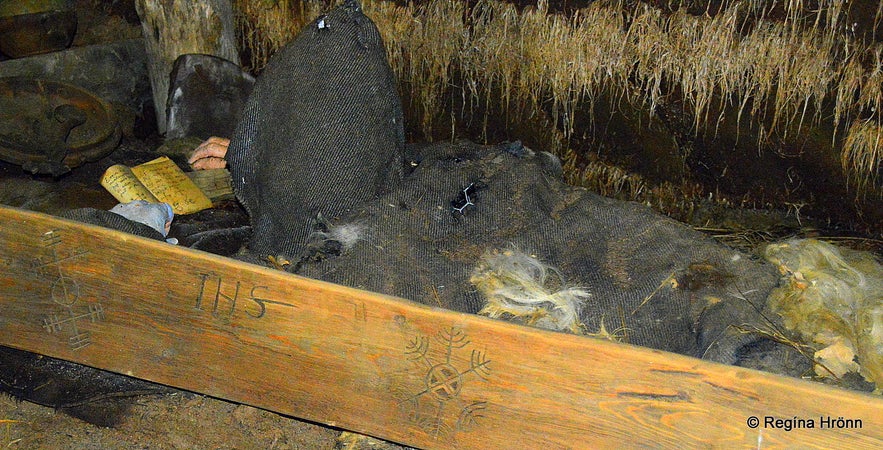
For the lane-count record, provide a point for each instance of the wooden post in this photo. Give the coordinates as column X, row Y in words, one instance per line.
column 172, row 28
column 384, row 366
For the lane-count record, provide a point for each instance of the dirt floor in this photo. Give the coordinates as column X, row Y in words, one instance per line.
column 168, row 421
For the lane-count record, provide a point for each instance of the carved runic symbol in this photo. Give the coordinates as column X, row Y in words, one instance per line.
column 65, row 291
column 443, row 384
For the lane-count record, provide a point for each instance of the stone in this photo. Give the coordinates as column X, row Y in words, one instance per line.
column 115, row 72
column 206, row 96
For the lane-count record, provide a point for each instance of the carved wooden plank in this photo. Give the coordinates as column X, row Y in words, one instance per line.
column 381, row 365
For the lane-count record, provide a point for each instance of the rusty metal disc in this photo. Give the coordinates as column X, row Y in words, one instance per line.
column 52, row 127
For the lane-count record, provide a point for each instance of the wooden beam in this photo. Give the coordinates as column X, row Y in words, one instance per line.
column 381, row 365
column 172, row 28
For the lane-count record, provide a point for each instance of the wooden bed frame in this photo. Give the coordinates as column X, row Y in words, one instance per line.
column 380, row 365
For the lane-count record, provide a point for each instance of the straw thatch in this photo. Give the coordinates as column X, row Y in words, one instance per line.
column 783, row 70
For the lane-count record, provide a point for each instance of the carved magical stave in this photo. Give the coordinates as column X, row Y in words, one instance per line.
column 373, row 363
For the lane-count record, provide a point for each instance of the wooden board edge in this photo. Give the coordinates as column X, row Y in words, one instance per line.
column 658, row 391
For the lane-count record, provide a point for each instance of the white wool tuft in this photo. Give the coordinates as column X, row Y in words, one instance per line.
column 347, row 234
column 521, row 286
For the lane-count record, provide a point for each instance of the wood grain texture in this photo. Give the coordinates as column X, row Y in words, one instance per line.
column 381, row 365
column 172, row 28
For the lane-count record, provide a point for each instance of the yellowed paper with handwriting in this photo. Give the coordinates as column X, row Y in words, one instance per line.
column 160, row 180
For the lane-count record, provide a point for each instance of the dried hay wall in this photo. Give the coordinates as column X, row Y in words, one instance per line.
column 796, row 82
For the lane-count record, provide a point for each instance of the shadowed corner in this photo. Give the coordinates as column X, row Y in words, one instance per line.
column 105, row 401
